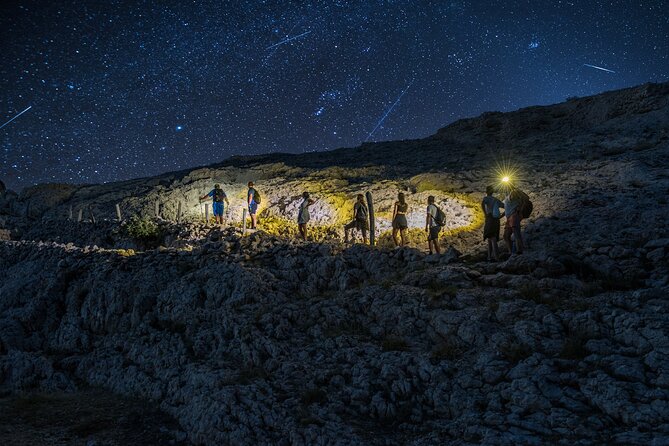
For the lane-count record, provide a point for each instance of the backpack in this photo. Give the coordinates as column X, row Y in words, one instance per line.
column 256, row 196
column 526, row 206
column 218, row 195
column 495, row 210
column 362, row 213
column 440, row 218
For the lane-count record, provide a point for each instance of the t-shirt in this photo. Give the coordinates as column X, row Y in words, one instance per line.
column 303, row 215
column 360, row 211
column 212, row 194
column 402, row 208
column 492, row 205
column 432, row 210
column 510, row 206
column 251, row 193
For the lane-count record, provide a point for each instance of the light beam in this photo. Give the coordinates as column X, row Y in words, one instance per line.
column 1, row 126
column 383, row 118
column 288, row 40
column 599, row 68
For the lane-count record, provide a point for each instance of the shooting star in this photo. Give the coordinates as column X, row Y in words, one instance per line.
column 288, row 40
column 383, row 118
column 599, row 68
column 1, row 126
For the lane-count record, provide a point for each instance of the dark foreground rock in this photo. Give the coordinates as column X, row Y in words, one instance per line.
column 259, row 339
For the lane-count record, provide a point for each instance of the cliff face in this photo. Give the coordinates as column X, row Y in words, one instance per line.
column 264, row 340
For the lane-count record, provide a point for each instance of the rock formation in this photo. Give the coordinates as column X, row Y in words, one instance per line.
column 261, row 339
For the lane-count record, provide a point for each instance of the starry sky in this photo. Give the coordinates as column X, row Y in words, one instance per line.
column 124, row 89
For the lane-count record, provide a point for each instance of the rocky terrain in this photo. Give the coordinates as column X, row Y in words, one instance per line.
column 257, row 338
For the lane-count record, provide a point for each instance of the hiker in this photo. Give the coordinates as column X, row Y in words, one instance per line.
column 433, row 224
column 303, row 216
column 218, row 197
column 490, row 206
column 253, row 200
column 360, row 219
column 512, row 209
column 400, row 219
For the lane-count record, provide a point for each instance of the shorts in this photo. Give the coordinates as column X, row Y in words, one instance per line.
column 491, row 227
column 434, row 233
column 361, row 225
column 218, row 209
column 400, row 222
column 512, row 226
column 253, row 207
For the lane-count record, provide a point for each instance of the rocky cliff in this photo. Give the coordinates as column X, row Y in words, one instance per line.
column 259, row 339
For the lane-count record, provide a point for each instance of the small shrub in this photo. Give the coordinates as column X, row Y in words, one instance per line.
column 393, row 343
column 144, row 231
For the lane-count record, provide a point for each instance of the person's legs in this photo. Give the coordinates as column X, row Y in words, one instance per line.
column 518, row 236
column 489, row 249
column 403, row 235
column 347, row 228
column 507, row 237
column 495, row 249
column 395, row 231
column 364, row 235
column 302, row 228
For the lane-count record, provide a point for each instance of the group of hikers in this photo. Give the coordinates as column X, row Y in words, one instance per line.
column 516, row 206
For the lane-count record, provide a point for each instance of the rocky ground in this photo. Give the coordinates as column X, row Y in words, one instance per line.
column 260, row 339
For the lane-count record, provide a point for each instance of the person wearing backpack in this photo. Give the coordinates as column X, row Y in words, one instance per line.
column 253, row 200
column 434, row 221
column 303, row 216
column 360, row 219
column 491, row 209
column 400, row 223
column 218, row 197
column 514, row 207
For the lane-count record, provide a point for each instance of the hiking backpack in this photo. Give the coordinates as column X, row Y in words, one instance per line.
column 526, row 205
column 440, row 218
column 218, row 195
column 256, row 196
column 362, row 212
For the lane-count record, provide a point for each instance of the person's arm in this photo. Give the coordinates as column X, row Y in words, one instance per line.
column 427, row 219
column 394, row 210
column 225, row 197
column 205, row 196
column 483, row 208
column 310, row 202
column 248, row 198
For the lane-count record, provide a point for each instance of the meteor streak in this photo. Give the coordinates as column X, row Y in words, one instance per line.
column 288, row 40
column 598, row 68
column 383, row 118
column 1, row 126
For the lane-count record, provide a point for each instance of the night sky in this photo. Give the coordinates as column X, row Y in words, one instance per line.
column 125, row 89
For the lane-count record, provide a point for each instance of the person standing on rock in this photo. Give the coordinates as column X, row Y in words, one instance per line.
column 400, row 223
column 360, row 219
column 512, row 204
column 491, row 209
column 433, row 225
column 218, row 197
column 252, row 199
column 303, row 216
